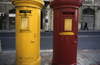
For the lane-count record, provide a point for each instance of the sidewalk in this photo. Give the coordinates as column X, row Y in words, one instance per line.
column 84, row 57
column 13, row 31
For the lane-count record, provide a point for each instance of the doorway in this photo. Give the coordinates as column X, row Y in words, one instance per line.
column 89, row 17
column 12, row 19
column 41, row 20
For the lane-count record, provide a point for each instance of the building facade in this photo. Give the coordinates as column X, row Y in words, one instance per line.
column 88, row 13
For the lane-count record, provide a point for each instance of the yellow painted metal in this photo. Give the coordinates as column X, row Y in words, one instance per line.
column 68, row 25
column 66, row 33
column 28, row 31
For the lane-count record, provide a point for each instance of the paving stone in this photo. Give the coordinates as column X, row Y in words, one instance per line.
column 84, row 57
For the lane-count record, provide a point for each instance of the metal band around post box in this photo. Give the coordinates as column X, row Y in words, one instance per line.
column 28, row 31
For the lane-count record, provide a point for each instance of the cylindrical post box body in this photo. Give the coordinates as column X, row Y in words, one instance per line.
column 28, row 31
column 65, row 31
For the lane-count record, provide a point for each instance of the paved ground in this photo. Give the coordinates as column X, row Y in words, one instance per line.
column 84, row 57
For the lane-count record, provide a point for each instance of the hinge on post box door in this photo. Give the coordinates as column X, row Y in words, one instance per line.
column 35, row 35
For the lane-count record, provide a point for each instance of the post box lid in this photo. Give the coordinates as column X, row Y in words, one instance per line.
column 69, row 3
column 31, row 3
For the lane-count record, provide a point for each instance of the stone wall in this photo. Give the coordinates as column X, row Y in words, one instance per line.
column 95, row 6
column 48, row 13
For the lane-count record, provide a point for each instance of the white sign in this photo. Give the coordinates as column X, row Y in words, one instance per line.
column 12, row 15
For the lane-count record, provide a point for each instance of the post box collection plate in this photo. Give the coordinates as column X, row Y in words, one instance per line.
column 68, row 25
column 24, row 23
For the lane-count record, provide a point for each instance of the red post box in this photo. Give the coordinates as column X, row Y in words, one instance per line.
column 65, row 31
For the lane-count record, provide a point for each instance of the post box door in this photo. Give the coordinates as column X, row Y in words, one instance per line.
column 28, row 36
column 67, row 37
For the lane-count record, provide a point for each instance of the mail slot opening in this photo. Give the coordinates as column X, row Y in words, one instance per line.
column 68, row 13
column 25, row 11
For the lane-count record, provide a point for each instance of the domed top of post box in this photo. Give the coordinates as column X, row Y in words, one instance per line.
column 66, row 3
column 28, row 3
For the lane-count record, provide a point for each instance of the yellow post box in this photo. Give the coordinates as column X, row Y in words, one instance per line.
column 28, row 31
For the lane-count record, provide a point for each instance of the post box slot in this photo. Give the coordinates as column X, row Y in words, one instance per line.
column 25, row 11
column 68, row 24
column 68, row 13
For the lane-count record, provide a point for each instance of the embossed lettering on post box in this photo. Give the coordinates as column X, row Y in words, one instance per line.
column 24, row 23
column 68, row 25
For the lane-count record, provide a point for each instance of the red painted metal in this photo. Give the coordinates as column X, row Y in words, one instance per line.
column 65, row 46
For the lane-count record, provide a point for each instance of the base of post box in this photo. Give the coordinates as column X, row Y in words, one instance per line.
column 31, row 63
column 55, row 63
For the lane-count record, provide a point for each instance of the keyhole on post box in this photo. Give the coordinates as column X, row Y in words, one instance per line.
column 74, row 42
column 76, row 35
